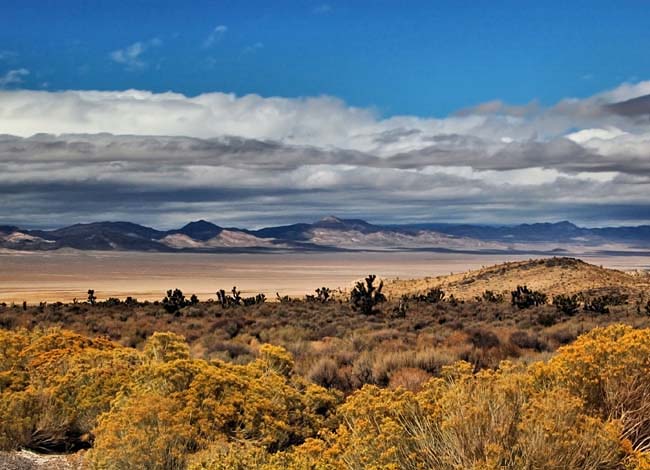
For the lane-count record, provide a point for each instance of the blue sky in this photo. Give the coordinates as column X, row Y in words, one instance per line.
column 253, row 113
column 422, row 58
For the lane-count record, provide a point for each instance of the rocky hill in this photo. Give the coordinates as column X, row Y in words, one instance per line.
column 551, row 275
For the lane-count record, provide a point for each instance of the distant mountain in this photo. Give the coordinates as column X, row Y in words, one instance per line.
column 332, row 233
column 559, row 232
column 304, row 231
column 7, row 229
column 200, row 230
column 102, row 236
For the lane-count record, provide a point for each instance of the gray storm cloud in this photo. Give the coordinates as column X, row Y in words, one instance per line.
column 166, row 158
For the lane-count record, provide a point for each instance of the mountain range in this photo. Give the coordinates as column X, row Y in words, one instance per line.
column 332, row 233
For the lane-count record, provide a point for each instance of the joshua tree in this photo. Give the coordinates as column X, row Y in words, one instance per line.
column 91, row 297
column 433, row 296
column 222, row 297
column 365, row 296
column 399, row 311
column 598, row 304
column 174, row 301
column 323, row 294
column 490, row 296
column 524, row 297
column 236, row 296
column 566, row 304
column 282, row 299
column 258, row 299
column 235, row 299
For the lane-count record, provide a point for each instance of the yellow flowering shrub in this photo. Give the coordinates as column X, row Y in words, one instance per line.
column 490, row 420
column 609, row 369
column 588, row 408
column 61, row 382
column 176, row 407
column 555, row 432
column 165, row 347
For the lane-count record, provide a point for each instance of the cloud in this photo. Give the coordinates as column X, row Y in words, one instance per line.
column 13, row 77
column 131, row 56
column 164, row 158
column 215, row 35
column 639, row 106
column 253, row 48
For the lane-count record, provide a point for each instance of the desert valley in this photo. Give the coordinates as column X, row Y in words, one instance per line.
column 324, row 235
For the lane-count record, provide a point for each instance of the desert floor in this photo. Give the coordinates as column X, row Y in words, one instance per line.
column 64, row 275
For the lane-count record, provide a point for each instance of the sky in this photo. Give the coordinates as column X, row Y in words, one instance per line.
column 253, row 113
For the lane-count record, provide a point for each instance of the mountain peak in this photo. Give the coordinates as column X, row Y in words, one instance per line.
column 201, row 230
column 334, row 223
column 566, row 223
column 201, row 223
column 331, row 219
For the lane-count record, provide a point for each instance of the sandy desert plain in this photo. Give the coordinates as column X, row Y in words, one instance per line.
column 67, row 274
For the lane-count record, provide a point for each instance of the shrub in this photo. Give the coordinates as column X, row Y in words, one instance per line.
column 326, row 373
column 609, row 369
column 484, row 338
column 409, row 378
column 56, row 387
column 176, row 408
column 547, row 318
column 487, row 420
column 523, row 340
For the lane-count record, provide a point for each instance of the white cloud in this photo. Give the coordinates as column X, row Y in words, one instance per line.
column 624, row 92
column 585, row 135
column 253, row 48
column 13, row 77
column 131, row 56
column 215, row 35
column 297, row 156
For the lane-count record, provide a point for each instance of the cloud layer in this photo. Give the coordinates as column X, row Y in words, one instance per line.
column 166, row 158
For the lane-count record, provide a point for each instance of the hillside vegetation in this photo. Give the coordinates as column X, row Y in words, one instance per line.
column 525, row 379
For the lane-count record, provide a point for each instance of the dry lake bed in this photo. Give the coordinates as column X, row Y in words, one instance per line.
column 65, row 275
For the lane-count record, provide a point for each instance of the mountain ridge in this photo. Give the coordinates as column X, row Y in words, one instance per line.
column 330, row 233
